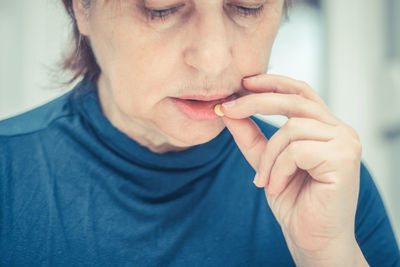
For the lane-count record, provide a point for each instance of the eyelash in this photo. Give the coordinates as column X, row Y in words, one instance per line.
column 162, row 14
column 246, row 11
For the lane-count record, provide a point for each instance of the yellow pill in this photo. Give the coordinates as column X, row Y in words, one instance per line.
column 218, row 111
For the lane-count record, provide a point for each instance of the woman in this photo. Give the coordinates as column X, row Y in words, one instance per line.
column 140, row 165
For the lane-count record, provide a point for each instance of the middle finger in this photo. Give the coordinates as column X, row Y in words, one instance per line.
column 295, row 129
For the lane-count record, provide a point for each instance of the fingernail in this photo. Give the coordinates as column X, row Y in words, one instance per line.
column 229, row 104
column 218, row 111
column 256, row 179
column 250, row 78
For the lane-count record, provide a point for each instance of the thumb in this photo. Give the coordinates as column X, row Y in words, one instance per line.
column 249, row 138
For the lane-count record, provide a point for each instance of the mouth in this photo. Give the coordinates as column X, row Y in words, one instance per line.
column 200, row 107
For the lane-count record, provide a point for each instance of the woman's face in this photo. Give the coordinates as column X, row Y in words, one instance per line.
column 193, row 48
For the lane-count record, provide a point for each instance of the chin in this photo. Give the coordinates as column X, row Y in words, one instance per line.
column 195, row 133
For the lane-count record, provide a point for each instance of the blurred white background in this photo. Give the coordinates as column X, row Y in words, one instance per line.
column 348, row 51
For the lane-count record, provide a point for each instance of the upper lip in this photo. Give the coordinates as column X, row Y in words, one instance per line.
column 204, row 97
column 212, row 97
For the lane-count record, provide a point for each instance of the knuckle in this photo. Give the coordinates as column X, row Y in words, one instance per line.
column 313, row 107
column 306, row 87
column 358, row 149
column 351, row 131
column 352, row 153
column 304, row 84
column 293, row 149
column 307, row 90
column 347, row 130
column 355, row 133
column 296, row 103
column 292, row 123
column 297, row 98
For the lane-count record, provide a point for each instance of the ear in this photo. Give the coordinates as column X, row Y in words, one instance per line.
column 81, row 13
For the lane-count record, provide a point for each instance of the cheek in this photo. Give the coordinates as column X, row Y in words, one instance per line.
column 145, row 72
column 253, row 50
column 137, row 78
column 252, row 57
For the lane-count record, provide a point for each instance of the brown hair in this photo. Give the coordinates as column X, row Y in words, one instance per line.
column 81, row 60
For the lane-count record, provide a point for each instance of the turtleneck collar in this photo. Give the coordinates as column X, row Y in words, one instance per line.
column 86, row 100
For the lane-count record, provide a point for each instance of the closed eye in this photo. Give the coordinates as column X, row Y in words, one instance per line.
column 163, row 14
column 247, row 11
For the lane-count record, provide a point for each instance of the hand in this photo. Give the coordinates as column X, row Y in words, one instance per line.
column 309, row 168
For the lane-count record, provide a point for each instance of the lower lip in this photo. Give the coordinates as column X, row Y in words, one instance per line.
column 200, row 110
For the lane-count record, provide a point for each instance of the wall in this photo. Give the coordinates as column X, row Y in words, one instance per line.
column 360, row 81
column 34, row 35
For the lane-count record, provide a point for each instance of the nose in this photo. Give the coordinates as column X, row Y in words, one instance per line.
column 210, row 50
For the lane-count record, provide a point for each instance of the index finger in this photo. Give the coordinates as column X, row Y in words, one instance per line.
column 289, row 105
column 274, row 83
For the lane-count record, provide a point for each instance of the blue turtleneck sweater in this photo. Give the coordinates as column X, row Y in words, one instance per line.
column 75, row 191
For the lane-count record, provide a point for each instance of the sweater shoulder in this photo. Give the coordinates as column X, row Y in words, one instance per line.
column 266, row 128
column 38, row 118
